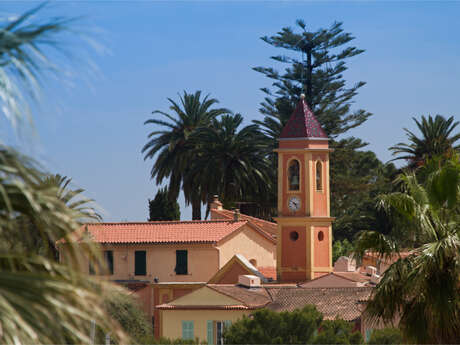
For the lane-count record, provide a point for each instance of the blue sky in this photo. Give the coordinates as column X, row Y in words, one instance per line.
column 93, row 129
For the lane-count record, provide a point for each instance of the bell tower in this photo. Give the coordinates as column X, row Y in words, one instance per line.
column 304, row 246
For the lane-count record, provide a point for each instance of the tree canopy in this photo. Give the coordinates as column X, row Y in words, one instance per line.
column 163, row 208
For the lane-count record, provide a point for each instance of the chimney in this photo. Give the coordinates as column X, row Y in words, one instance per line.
column 236, row 215
column 216, row 204
column 249, row 281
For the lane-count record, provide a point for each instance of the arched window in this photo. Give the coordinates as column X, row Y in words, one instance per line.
column 294, row 180
column 319, row 175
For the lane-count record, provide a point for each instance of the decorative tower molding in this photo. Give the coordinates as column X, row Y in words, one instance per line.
column 304, row 247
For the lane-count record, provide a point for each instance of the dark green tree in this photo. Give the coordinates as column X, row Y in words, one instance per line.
column 229, row 161
column 317, row 71
column 315, row 64
column 385, row 336
column 163, row 208
column 270, row 327
column 126, row 310
column 421, row 290
column 437, row 139
column 337, row 332
column 171, row 147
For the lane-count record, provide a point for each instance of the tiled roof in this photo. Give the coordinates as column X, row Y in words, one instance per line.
column 265, row 225
column 268, row 272
column 162, row 232
column 250, row 297
column 331, row 302
column 302, row 124
column 354, row 276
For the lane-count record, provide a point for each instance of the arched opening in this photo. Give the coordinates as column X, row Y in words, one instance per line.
column 319, row 175
column 294, row 175
column 294, row 236
column 320, row 236
column 253, row 262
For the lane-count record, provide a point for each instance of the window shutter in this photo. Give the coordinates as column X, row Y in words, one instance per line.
column 210, row 332
column 109, row 260
column 181, row 262
column 187, row 330
column 191, row 330
column 140, row 265
column 227, row 324
column 184, row 329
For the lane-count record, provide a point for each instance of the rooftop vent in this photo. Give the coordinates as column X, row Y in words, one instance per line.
column 375, row 279
column 249, row 281
column 371, row 270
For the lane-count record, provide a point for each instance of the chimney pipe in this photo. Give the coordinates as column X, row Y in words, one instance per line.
column 236, row 215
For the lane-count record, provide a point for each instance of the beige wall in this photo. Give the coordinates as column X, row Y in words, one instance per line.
column 161, row 261
column 171, row 320
column 251, row 245
column 205, row 296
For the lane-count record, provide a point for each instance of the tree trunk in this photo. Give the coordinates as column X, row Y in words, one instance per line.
column 196, row 209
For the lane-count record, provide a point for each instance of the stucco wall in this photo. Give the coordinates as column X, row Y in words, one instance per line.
column 251, row 245
column 171, row 320
column 161, row 261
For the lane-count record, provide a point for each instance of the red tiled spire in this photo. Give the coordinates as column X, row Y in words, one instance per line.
column 302, row 123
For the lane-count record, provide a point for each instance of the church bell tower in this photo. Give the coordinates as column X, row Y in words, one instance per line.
column 304, row 245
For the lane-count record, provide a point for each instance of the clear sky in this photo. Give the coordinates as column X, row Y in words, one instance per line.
column 93, row 131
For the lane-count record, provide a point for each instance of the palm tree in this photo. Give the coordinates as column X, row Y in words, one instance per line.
column 229, row 162
column 437, row 139
column 172, row 148
column 41, row 301
column 423, row 288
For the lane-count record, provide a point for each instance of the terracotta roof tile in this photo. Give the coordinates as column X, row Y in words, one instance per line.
column 344, row 303
column 354, row 276
column 265, row 225
column 250, row 297
column 302, row 124
column 162, row 232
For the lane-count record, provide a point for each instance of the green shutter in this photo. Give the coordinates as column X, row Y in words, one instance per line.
column 109, row 260
column 210, row 332
column 181, row 262
column 192, row 331
column 368, row 334
column 187, row 330
column 140, row 264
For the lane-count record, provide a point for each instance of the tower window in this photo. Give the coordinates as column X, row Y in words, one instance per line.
column 294, row 235
column 319, row 175
column 320, row 236
column 294, row 175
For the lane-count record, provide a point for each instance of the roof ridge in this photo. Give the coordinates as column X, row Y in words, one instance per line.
column 169, row 222
column 245, row 215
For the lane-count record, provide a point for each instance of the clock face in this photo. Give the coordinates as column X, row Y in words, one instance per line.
column 294, row 203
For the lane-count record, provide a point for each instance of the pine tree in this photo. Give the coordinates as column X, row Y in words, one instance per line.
column 318, row 74
column 315, row 67
column 162, row 208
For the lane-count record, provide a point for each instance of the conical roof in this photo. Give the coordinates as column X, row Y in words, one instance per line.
column 302, row 123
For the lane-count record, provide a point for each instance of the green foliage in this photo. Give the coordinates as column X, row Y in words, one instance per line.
column 318, row 74
column 126, row 310
column 386, row 336
column 163, row 208
column 41, row 301
column 337, row 332
column 357, row 177
column 171, row 146
column 301, row 326
column 422, row 288
column 229, row 161
column 436, row 140
column 269, row 327
column 341, row 248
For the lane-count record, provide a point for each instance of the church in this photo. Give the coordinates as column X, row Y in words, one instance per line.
column 194, row 278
